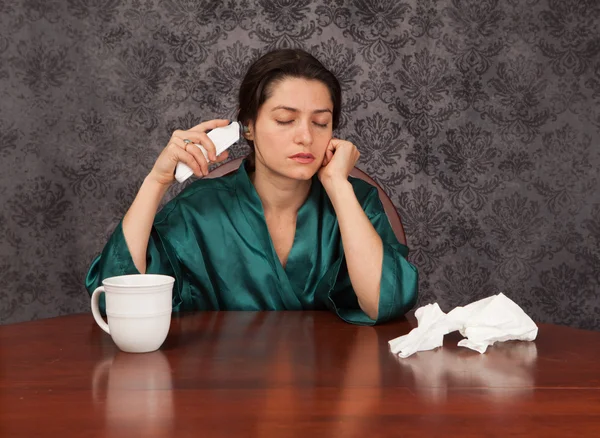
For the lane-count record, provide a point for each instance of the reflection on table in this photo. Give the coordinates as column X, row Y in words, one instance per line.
column 504, row 372
column 135, row 389
column 288, row 374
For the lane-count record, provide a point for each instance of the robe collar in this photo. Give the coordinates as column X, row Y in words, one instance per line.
column 252, row 209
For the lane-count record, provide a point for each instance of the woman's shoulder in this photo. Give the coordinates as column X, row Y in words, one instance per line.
column 201, row 196
column 209, row 187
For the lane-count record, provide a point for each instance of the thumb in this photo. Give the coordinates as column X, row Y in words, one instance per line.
column 328, row 155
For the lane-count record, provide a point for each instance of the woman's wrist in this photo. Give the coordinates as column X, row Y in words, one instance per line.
column 337, row 189
column 157, row 184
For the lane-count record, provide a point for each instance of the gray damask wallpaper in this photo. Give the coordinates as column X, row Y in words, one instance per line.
column 481, row 119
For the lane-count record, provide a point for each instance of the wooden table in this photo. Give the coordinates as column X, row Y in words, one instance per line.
column 284, row 374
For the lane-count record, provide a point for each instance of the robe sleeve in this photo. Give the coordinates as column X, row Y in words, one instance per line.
column 116, row 260
column 399, row 278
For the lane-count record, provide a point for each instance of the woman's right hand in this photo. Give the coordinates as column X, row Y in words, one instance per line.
column 177, row 150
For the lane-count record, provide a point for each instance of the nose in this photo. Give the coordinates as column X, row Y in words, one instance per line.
column 303, row 134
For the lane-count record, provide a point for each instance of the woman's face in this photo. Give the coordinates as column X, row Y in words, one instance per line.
column 293, row 128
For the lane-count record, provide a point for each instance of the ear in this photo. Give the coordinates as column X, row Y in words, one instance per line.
column 248, row 134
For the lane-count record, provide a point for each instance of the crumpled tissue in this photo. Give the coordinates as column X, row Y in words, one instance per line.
column 482, row 323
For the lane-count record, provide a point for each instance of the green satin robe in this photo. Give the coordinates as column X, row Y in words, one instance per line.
column 213, row 239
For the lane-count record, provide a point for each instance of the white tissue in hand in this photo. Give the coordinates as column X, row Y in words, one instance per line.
column 484, row 322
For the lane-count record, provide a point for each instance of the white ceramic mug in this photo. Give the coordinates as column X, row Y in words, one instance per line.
column 138, row 308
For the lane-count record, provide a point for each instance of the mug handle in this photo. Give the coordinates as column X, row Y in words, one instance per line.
column 96, row 309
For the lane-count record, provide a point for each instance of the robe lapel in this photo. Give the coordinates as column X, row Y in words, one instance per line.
column 304, row 254
column 253, row 212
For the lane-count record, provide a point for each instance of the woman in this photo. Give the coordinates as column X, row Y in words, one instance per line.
column 288, row 231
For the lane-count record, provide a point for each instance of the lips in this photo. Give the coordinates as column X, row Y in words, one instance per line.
column 304, row 156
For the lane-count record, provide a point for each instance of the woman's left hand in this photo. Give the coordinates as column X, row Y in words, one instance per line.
column 340, row 158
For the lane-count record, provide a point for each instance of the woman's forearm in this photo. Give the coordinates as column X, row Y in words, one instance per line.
column 137, row 223
column 363, row 247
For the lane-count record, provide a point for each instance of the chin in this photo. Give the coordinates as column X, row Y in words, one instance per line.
column 301, row 172
column 298, row 172
column 303, row 176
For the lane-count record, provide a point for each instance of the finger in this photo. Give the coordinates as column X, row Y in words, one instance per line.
column 195, row 136
column 324, row 163
column 329, row 155
column 179, row 154
column 331, row 148
column 195, row 152
column 334, row 143
column 210, row 124
column 209, row 146
column 198, row 138
column 224, row 156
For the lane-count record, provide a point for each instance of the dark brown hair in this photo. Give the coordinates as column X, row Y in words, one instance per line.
column 274, row 67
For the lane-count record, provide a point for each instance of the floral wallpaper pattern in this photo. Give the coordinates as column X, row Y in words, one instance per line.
column 480, row 118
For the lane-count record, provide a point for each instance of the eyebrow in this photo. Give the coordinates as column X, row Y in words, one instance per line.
column 295, row 110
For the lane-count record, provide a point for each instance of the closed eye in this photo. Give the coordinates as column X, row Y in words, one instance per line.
column 320, row 125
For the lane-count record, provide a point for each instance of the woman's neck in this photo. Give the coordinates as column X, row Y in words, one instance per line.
column 279, row 195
